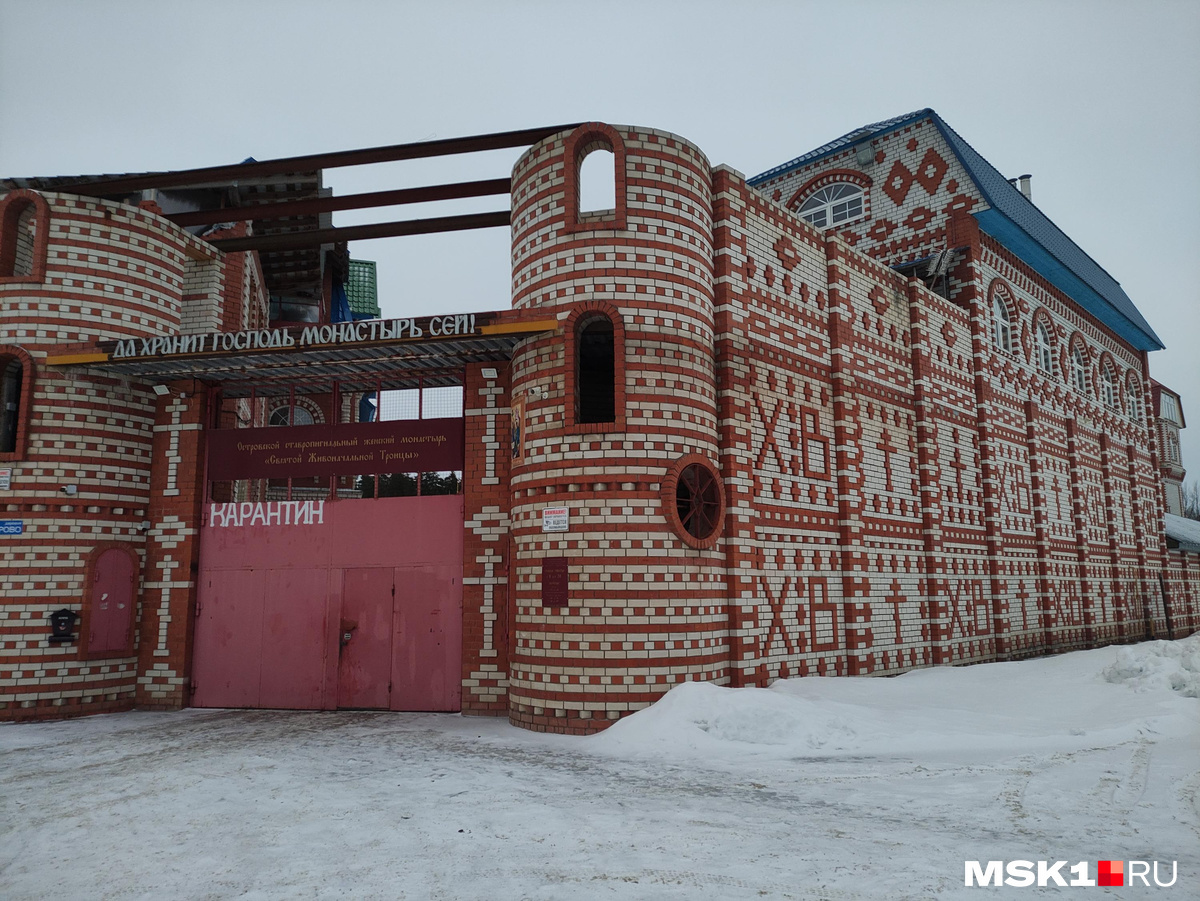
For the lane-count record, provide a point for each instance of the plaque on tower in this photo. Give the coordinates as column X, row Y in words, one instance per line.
column 555, row 581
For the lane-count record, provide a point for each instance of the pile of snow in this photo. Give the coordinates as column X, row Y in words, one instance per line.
column 1159, row 665
column 1052, row 704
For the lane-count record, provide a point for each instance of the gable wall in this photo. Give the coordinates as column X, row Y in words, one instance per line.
column 916, row 184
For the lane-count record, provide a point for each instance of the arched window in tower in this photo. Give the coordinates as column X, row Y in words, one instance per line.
column 1045, row 350
column 12, row 375
column 595, row 378
column 598, row 181
column 1001, row 325
column 1108, row 386
column 833, row 205
column 18, row 234
column 1079, row 373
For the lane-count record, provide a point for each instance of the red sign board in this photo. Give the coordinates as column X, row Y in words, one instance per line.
column 555, row 581
column 358, row 448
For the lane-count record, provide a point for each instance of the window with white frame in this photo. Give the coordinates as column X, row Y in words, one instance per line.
column 1108, row 387
column 1079, row 373
column 833, row 205
column 1135, row 400
column 1172, row 448
column 294, row 415
column 1045, row 351
column 1168, row 407
column 1001, row 325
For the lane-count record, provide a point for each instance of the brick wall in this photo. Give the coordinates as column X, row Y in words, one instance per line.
column 899, row 491
column 645, row 610
column 109, row 271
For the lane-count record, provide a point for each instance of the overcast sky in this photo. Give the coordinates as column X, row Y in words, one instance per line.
column 1099, row 100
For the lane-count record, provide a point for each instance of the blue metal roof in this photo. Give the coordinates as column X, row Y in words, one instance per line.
column 847, row 140
column 1021, row 227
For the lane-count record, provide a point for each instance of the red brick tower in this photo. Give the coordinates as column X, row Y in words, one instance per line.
column 97, row 535
column 618, row 426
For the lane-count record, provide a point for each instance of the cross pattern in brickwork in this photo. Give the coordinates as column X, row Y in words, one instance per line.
column 1022, row 596
column 888, row 448
column 896, row 598
column 172, row 487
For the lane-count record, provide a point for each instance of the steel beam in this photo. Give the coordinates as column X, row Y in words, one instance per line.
column 388, row 154
column 284, row 208
column 319, row 236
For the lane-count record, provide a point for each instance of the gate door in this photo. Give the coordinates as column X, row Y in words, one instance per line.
column 365, row 639
column 314, row 605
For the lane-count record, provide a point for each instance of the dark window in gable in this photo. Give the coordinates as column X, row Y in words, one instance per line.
column 596, row 377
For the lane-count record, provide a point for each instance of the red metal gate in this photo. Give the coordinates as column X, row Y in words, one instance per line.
column 319, row 605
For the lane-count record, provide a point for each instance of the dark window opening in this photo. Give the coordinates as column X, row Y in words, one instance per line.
column 18, row 241
column 10, row 404
column 597, row 394
column 698, row 500
column 404, row 484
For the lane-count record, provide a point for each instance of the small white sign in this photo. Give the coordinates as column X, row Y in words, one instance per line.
column 556, row 519
column 5, row 479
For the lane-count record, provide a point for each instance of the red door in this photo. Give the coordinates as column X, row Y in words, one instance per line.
column 274, row 594
column 229, row 630
column 365, row 637
column 294, row 639
column 111, row 620
column 427, row 660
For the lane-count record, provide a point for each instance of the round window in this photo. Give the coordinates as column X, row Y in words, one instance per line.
column 694, row 501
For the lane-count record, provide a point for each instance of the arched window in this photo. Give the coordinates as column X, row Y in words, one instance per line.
column 16, row 389
column 598, row 182
column 24, row 227
column 293, row 415
column 1135, row 399
column 594, row 186
column 1172, row 448
column 1001, row 324
column 10, row 403
column 1079, row 372
column 1045, row 350
column 595, row 376
column 833, row 205
column 1108, row 386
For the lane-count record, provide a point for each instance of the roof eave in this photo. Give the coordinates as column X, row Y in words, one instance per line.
column 1015, row 239
column 836, row 147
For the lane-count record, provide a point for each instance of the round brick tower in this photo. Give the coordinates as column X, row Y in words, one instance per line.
column 77, row 494
column 616, row 418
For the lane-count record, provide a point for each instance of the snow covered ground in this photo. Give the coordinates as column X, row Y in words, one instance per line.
column 815, row 788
